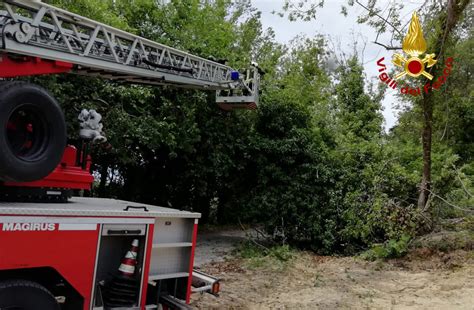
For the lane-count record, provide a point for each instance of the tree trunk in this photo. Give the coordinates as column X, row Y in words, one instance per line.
column 425, row 186
column 454, row 10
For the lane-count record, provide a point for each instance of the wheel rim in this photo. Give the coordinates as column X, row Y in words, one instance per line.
column 27, row 132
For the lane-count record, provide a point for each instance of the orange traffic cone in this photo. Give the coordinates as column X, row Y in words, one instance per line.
column 122, row 291
column 127, row 267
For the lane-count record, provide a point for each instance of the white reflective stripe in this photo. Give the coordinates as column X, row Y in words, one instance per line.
column 196, row 221
column 63, row 226
column 127, row 268
column 131, row 254
column 74, row 220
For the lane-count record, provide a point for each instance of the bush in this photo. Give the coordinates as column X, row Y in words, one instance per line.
column 283, row 253
column 447, row 241
column 292, row 178
column 249, row 249
column 390, row 249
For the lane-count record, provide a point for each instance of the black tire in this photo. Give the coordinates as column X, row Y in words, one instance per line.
column 26, row 295
column 32, row 132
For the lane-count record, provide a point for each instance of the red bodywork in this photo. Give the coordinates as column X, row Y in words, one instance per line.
column 27, row 66
column 146, row 267
column 71, row 253
column 66, row 175
column 69, row 246
column 191, row 263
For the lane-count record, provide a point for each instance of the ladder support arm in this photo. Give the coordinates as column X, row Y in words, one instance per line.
column 93, row 48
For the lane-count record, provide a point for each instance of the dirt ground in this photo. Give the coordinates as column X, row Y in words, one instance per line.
column 423, row 280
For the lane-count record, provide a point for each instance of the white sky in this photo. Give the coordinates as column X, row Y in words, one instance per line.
column 344, row 31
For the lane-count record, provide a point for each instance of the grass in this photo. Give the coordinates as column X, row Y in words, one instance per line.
column 447, row 241
column 318, row 280
column 256, row 257
column 390, row 249
column 457, row 235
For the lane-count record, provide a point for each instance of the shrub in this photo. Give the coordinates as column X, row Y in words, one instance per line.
column 391, row 249
column 249, row 249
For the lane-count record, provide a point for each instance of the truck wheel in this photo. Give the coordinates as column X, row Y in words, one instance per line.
column 32, row 132
column 25, row 295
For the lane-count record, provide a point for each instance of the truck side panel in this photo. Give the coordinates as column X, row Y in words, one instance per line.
column 69, row 248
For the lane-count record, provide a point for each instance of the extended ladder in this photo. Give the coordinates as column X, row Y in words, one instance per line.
column 38, row 30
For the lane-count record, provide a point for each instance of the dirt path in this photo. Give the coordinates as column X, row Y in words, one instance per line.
column 314, row 282
column 216, row 246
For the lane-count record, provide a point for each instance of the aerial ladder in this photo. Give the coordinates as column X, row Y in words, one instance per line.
column 37, row 38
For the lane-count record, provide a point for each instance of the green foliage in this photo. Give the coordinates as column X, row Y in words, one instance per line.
column 104, row 11
column 312, row 164
column 393, row 248
column 274, row 257
column 288, row 192
column 170, row 147
column 283, row 253
column 447, row 241
column 248, row 249
column 369, row 177
column 377, row 175
column 451, row 152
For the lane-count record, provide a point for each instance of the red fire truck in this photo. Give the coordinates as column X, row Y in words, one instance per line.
column 63, row 252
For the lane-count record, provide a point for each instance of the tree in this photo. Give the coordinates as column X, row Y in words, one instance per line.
column 360, row 156
column 452, row 121
column 171, row 147
column 312, row 163
column 444, row 19
column 288, row 169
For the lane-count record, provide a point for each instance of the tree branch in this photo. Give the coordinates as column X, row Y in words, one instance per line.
column 448, row 203
column 249, row 237
column 380, row 30
column 388, row 48
column 462, row 184
column 376, row 14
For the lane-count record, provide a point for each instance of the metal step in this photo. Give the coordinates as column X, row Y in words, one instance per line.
column 204, row 283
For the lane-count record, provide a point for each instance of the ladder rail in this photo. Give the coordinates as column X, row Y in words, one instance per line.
column 95, row 43
column 101, row 50
column 72, row 17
